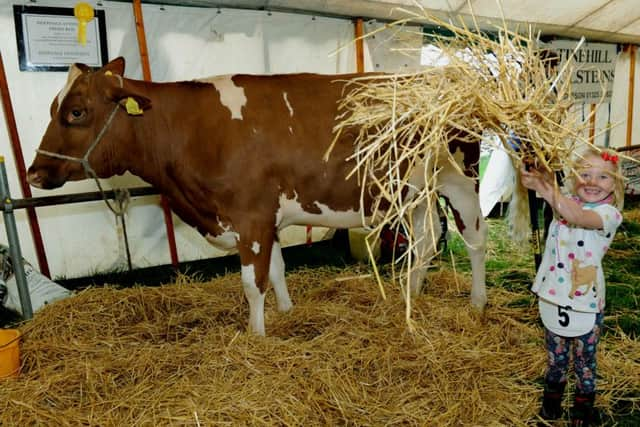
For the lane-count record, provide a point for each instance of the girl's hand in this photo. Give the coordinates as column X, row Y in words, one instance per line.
column 535, row 180
column 542, row 182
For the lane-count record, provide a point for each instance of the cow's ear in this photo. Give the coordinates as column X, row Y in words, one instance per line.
column 111, row 86
column 116, row 66
column 135, row 104
column 131, row 101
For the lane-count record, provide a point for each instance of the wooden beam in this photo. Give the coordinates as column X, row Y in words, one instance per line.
column 630, row 93
column 146, row 74
column 359, row 31
column 592, row 124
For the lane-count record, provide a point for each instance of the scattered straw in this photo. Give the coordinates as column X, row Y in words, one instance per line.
column 179, row 355
column 508, row 85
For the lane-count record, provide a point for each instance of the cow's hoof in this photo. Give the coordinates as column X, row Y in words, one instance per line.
column 479, row 302
column 479, row 312
column 285, row 306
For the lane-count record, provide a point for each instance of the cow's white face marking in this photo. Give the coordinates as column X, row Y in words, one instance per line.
column 255, row 248
column 74, row 73
column 231, row 96
column 225, row 241
column 291, row 212
column 287, row 103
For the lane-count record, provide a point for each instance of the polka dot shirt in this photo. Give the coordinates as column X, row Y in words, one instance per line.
column 570, row 274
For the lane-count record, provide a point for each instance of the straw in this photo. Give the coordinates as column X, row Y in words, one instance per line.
column 405, row 122
column 179, row 354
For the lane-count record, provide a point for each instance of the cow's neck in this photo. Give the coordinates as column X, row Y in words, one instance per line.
column 166, row 144
column 156, row 137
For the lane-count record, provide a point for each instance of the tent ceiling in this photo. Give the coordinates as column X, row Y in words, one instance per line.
column 598, row 20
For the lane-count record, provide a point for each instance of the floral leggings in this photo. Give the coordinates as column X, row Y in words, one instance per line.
column 584, row 357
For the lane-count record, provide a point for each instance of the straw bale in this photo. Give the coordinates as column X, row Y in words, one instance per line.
column 180, row 355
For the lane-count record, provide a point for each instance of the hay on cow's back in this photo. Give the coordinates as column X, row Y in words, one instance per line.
column 179, row 354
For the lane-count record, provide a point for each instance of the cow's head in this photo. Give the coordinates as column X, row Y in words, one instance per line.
column 86, row 121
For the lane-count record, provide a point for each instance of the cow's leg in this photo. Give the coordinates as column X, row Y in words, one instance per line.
column 255, row 256
column 426, row 232
column 276, row 276
column 462, row 196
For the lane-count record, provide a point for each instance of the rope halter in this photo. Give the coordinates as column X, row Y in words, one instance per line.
column 84, row 161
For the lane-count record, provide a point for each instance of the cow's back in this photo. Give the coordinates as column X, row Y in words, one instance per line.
column 277, row 140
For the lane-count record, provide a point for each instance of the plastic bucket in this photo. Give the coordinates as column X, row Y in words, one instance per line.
column 358, row 246
column 9, row 353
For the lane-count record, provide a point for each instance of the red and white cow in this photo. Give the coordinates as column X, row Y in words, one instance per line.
column 239, row 157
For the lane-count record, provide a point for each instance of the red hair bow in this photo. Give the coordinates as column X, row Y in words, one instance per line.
column 610, row 157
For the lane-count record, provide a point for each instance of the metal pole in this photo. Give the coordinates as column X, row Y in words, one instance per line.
column 14, row 244
column 10, row 119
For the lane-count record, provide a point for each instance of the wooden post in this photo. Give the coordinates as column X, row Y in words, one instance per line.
column 10, row 119
column 146, row 73
column 592, row 123
column 359, row 29
column 630, row 94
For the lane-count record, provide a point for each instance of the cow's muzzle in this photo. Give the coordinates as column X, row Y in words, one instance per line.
column 40, row 178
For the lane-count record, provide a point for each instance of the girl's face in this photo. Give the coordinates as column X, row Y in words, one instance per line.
column 596, row 179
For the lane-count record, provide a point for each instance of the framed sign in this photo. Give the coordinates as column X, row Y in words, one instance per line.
column 595, row 65
column 47, row 39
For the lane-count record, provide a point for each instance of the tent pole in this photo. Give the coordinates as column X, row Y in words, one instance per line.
column 146, row 73
column 592, row 123
column 10, row 119
column 359, row 30
column 632, row 71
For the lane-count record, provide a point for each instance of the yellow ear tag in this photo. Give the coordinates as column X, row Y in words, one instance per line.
column 132, row 107
column 108, row 73
column 84, row 13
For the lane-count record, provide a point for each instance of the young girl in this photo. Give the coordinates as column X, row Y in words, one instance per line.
column 570, row 282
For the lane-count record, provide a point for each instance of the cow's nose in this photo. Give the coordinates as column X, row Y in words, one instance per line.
column 34, row 178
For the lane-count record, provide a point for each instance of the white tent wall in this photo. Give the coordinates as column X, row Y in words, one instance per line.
column 183, row 43
column 191, row 42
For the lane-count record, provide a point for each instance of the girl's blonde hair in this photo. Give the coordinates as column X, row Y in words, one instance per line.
column 608, row 155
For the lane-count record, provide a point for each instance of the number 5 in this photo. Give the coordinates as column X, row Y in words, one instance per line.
column 564, row 316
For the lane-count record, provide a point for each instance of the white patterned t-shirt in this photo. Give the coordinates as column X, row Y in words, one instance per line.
column 570, row 274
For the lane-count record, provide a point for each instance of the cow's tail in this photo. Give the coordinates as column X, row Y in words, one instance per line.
column 518, row 217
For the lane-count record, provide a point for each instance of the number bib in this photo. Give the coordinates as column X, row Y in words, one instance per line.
column 565, row 322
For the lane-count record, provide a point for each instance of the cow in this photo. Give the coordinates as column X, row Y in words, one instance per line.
column 238, row 157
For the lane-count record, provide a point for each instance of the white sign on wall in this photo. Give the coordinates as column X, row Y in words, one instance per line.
column 594, row 71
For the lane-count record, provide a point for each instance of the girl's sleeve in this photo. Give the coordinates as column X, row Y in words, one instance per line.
column 611, row 219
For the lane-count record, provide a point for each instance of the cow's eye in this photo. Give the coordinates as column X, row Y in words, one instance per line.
column 76, row 115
